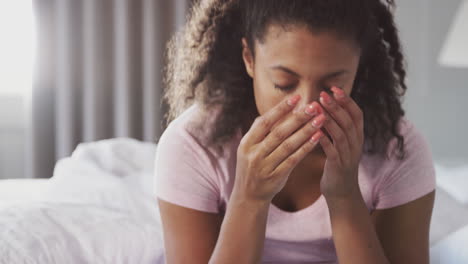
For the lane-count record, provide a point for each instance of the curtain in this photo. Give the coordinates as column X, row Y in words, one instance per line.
column 98, row 74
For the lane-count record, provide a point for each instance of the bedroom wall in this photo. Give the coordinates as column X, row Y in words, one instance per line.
column 11, row 136
column 436, row 95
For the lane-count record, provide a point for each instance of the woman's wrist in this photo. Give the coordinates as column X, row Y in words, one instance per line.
column 239, row 200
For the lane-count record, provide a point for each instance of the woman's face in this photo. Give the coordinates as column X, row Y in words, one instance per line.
column 298, row 61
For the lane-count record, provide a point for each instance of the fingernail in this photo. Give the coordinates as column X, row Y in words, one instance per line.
column 318, row 121
column 316, row 137
column 294, row 100
column 338, row 93
column 325, row 98
column 311, row 109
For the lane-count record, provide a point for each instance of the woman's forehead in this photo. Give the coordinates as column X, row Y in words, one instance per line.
column 299, row 46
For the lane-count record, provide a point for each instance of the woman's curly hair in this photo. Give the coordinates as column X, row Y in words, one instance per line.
column 205, row 62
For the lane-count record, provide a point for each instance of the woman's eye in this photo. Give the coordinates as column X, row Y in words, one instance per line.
column 325, row 88
column 285, row 88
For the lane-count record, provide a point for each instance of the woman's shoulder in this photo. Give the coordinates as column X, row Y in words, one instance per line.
column 413, row 139
column 395, row 180
column 185, row 127
column 193, row 127
column 185, row 170
column 380, row 169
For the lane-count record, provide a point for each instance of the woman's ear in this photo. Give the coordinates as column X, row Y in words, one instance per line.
column 248, row 58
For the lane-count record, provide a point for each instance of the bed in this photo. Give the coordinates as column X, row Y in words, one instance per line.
column 99, row 207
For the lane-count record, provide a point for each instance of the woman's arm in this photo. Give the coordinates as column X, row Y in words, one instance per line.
column 189, row 235
column 401, row 234
column 404, row 230
column 242, row 234
column 353, row 232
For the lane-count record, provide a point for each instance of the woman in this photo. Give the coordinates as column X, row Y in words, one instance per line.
column 287, row 141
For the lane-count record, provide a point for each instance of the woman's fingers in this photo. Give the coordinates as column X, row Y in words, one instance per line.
column 292, row 160
column 299, row 141
column 353, row 110
column 342, row 117
column 329, row 150
column 262, row 124
column 282, row 131
column 340, row 140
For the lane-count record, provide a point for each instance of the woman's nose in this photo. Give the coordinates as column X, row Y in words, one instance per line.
column 308, row 96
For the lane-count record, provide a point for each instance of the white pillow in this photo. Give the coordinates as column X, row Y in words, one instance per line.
column 130, row 159
column 78, row 182
column 114, row 173
column 454, row 180
column 452, row 249
column 441, row 225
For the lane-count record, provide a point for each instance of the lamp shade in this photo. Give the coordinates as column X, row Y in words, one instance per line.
column 454, row 52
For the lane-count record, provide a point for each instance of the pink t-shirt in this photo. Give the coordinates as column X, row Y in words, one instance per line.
column 189, row 174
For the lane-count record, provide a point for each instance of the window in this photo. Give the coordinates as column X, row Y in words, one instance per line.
column 17, row 44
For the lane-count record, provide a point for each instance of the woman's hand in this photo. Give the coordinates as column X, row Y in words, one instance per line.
column 273, row 146
column 345, row 126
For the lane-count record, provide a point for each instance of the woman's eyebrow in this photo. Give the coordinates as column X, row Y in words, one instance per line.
column 279, row 67
column 335, row 74
column 327, row 76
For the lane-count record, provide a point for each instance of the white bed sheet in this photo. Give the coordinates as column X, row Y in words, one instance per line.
column 97, row 208
column 42, row 232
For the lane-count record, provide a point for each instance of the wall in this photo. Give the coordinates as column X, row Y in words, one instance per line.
column 11, row 136
column 436, row 95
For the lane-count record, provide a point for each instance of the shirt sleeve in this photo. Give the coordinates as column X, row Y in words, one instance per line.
column 408, row 179
column 184, row 173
